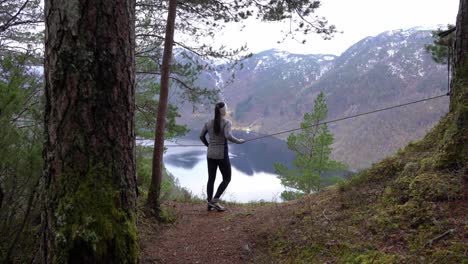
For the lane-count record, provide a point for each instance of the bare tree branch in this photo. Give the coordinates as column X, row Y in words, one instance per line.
column 175, row 42
column 172, row 78
column 7, row 24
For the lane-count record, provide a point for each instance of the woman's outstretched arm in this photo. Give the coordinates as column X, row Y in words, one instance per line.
column 229, row 136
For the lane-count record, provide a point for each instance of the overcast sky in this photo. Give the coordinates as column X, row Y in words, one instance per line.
column 357, row 19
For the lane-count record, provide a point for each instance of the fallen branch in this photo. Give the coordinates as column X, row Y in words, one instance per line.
column 439, row 237
column 323, row 212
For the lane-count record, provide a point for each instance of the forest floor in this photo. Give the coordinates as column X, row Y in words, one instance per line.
column 199, row 236
column 327, row 227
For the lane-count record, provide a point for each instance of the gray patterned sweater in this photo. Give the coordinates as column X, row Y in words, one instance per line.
column 217, row 147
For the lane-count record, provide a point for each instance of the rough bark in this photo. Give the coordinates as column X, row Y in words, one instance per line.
column 156, row 179
column 1, row 197
column 460, row 55
column 461, row 35
column 89, row 150
column 456, row 132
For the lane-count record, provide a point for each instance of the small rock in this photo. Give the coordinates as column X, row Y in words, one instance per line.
column 247, row 249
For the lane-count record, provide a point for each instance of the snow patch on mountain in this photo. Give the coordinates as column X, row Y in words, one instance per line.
column 421, row 72
column 391, row 52
column 280, row 54
column 294, row 59
column 219, row 81
column 396, row 70
column 419, row 55
column 259, row 65
column 324, row 69
column 218, row 61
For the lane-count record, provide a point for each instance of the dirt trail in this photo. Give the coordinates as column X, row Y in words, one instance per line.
column 199, row 236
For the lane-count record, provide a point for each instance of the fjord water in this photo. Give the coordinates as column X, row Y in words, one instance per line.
column 253, row 178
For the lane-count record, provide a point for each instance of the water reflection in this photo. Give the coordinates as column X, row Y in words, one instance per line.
column 249, row 158
column 186, row 160
column 242, row 188
column 253, row 175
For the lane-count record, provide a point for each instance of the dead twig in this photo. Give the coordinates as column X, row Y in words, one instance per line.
column 323, row 212
column 439, row 237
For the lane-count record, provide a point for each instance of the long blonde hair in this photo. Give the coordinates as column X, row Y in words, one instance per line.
column 217, row 117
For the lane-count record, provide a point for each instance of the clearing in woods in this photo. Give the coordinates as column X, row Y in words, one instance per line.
column 199, row 236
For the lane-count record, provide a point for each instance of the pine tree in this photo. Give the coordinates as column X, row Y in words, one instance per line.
column 153, row 200
column 313, row 148
column 21, row 137
column 89, row 183
column 441, row 48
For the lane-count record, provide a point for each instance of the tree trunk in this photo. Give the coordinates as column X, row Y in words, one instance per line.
column 89, row 151
column 455, row 150
column 1, row 197
column 156, row 178
column 460, row 56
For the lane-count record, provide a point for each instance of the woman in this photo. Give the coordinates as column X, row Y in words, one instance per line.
column 219, row 130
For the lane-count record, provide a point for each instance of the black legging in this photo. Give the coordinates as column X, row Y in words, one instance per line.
column 225, row 168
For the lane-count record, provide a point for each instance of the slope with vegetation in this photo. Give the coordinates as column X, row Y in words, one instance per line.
column 409, row 208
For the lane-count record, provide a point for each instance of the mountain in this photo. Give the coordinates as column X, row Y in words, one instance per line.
column 270, row 76
column 273, row 90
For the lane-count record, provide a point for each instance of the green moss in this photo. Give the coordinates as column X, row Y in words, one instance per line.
column 386, row 170
column 453, row 151
column 429, row 163
column 425, row 186
column 91, row 221
column 373, row 257
column 167, row 215
column 383, row 222
column 278, row 245
column 310, row 252
column 398, row 191
column 414, row 213
column 435, row 187
column 454, row 254
column 282, row 249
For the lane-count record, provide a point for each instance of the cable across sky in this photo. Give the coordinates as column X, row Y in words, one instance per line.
column 329, row 121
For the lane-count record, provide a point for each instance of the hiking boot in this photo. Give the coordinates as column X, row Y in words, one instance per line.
column 216, row 205
column 210, row 207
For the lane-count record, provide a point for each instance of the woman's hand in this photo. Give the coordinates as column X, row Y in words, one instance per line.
column 241, row 141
